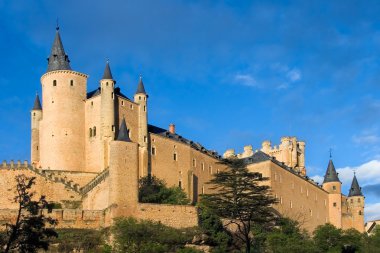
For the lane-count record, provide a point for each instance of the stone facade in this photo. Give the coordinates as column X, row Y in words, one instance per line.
column 85, row 160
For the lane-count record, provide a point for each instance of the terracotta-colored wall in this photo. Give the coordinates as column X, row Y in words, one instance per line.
column 298, row 199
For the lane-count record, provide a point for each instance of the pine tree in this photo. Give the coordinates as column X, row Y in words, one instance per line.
column 241, row 198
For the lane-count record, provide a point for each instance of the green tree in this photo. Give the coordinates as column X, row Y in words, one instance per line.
column 287, row 236
column 133, row 236
column 154, row 190
column 29, row 233
column 328, row 238
column 242, row 198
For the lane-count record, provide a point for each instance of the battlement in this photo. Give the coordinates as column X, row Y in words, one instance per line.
column 15, row 165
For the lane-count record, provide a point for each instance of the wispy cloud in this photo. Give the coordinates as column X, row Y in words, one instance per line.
column 372, row 211
column 367, row 173
column 245, row 79
column 317, row 178
column 366, row 138
column 294, row 75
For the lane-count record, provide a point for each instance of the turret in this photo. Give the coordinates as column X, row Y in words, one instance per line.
column 36, row 116
column 356, row 205
column 107, row 128
column 62, row 129
column 332, row 185
column 123, row 169
column 141, row 98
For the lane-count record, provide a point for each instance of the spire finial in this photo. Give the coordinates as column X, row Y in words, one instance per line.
column 57, row 25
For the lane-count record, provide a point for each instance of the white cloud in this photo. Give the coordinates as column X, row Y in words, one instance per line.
column 245, row 79
column 372, row 211
column 367, row 173
column 294, row 75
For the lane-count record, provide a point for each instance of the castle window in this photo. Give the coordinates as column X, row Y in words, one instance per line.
column 311, row 212
column 358, row 200
column 203, row 189
column 106, row 83
column 71, row 82
column 145, row 139
column 139, row 97
column 194, row 162
column 280, row 200
column 352, row 201
column 54, row 82
column 291, row 204
column 122, row 103
column 131, row 106
column 90, row 132
column 175, row 156
column 203, row 166
column 334, row 204
column 325, row 203
column 307, row 192
column 37, row 147
column 153, row 151
column 34, row 114
column 180, row 184
column 92, row 103
column 360, row 213
column 94, row 132
column 113, row 128
column 334, row 187
column 144, row 108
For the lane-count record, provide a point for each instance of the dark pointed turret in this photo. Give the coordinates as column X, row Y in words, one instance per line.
column 37, row 103
column 107, row 72
column 140, row 87
column 58, row 60
column 123, row 132
column 331, row 175
column 355, row 189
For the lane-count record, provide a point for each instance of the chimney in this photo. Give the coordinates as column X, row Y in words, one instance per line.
column 172, row 128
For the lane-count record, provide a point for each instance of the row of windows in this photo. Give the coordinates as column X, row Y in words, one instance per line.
column 175, row 158
column 55, row 82
column 92, row 131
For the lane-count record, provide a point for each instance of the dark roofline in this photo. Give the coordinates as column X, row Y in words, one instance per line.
column 178, row 138
column 265, row 157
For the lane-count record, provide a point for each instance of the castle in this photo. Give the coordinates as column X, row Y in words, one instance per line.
column 88, row 150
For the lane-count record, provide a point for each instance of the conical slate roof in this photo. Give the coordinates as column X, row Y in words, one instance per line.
column 123, row 132
column 331, row 175
column 355, row 189
column 37, row 104
column 140, row 87
column 107, row 72
column 58, row 60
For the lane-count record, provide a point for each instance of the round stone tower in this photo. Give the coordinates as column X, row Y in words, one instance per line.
column 36, row 116
column 62, row 145
column 107, row 85
column 141, row 98
column 356, row 205
column 332, row 185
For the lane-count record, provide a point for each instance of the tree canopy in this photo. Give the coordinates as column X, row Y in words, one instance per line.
column 241, row 198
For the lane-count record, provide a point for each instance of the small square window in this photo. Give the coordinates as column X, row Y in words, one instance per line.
column 334, row 204
column 153, row 150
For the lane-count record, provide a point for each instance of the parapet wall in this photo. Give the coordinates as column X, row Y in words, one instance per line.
column 67, row 218
column 177, row 216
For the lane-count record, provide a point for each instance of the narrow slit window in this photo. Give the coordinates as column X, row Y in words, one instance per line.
column 153, row 150
column 54, row 82
column 71, row 82
column 94, row 132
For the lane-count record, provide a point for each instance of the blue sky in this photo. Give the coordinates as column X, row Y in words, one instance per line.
column 227, row 73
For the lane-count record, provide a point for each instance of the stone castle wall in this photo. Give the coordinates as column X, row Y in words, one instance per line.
column 298, row 198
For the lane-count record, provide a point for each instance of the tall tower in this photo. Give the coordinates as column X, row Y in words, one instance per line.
column 141, row 98
column 36, row 116
column 356, row 205
column 107, row 85
column 123, row 174
column 62, row 136
column 332, row 185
